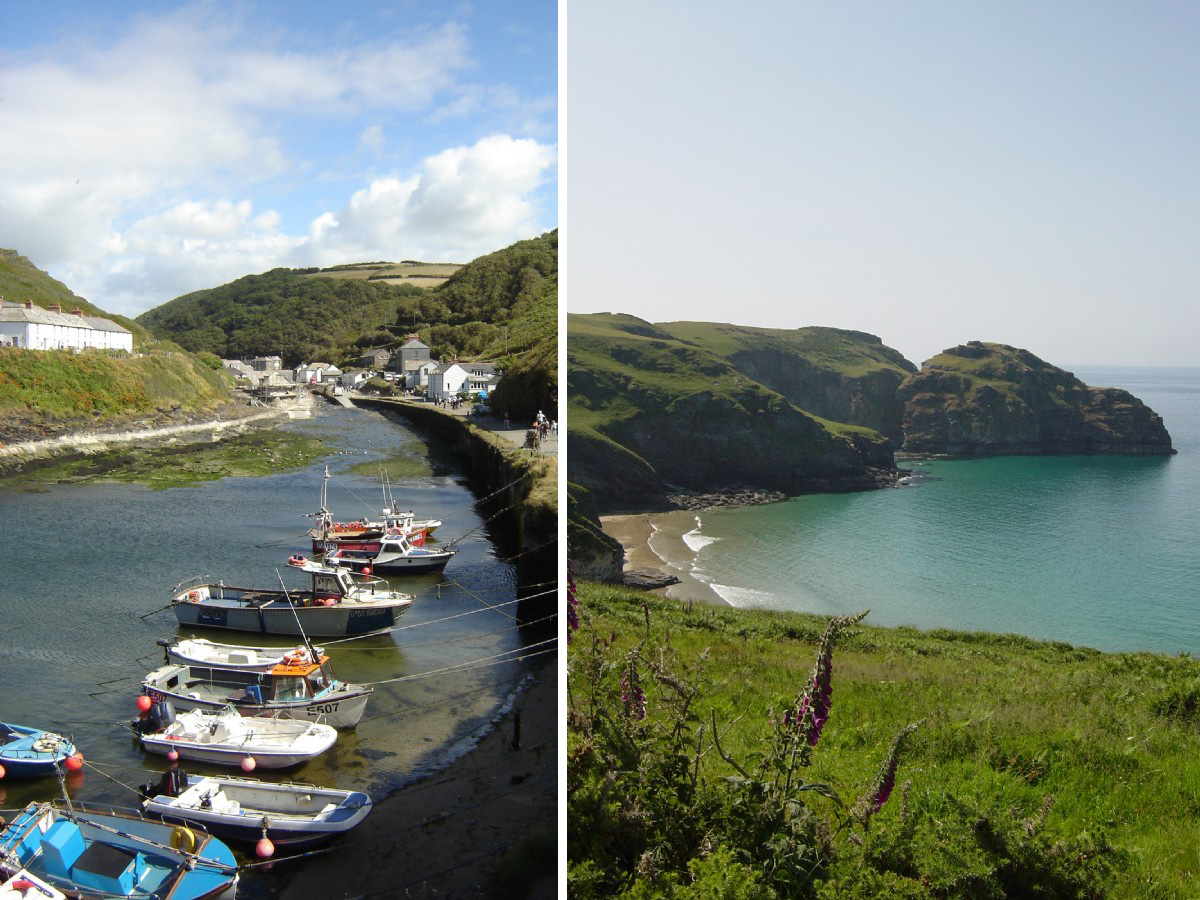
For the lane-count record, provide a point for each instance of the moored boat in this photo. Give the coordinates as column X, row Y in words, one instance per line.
column 293, row 816
column 27, row 752
column 336, row 603
column 93, row 854
column 228, row 739
column 395, row 554
column 297, row 687
column 328, row 535
column 203, row 652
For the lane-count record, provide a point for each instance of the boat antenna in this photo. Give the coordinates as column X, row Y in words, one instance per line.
column 312, row 652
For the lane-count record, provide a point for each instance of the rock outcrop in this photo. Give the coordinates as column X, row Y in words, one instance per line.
column 983, row 399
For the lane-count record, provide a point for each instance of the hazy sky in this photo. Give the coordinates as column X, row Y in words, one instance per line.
column 930, row 172
column 148, row 149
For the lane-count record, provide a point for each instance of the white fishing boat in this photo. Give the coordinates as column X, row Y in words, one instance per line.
column 395, row 554
column 296, row 687
column 294, row 816
column 203, row 652
column 228, row 739
column 336, row 603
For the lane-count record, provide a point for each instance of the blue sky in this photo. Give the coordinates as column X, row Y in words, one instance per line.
column 929, row 172
column 151, row 149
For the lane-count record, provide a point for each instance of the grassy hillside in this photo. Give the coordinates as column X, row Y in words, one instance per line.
column 1037, row 769
column 851, row 354
column 693, row 419
column 843, row 376
column 44, row 392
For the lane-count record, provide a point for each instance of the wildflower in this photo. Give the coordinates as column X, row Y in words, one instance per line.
column 811, row 710
column 572, row 605
column 877, row 794
column 632, row 694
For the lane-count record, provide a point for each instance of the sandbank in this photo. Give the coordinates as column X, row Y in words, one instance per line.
column 654, row 541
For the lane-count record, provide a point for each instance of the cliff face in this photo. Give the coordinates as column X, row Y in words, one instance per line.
column 651, row 414
column 988, row 399
column 837, row 374
column 869, row 399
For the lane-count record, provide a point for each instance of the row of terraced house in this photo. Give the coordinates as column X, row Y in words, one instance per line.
column 34, row 328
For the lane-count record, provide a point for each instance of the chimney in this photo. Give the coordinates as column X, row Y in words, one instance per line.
column 54, row 307
column 77, row 311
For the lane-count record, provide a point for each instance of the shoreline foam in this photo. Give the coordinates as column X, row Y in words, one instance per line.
column 656, row 541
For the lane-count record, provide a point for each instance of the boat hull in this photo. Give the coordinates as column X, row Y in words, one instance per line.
column 393, row 562
column 297, row 816
column 340, row 710
column 32, row 753
column 344, row 620
column 226, row 739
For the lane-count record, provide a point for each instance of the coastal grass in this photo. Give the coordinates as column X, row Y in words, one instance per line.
column 168, row 465
column 1037, row 766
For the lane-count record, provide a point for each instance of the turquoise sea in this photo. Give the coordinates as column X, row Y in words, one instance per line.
column 1099, row 551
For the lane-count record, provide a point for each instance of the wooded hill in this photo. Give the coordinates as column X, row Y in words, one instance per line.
column 304, row 315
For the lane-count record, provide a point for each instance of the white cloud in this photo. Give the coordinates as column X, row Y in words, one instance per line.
column 159, row 164
column 465, row 202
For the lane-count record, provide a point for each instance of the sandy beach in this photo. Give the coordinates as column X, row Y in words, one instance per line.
column 443, row 836
column 655, row 542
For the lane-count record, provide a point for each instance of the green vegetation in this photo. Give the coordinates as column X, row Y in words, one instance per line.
column 851, row 354
column 1038, row 769
column 502, row 307
column 283, row 313
column 985, row 398
column 262, row 452
column 648, row 409
column 97, row 383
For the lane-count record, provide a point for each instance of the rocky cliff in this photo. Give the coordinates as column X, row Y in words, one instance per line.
column 987, row 399
column 837, row 374
column 651, row 415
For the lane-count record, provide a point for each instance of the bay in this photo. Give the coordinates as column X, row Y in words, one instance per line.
column 1099, row 551
column 81, row 566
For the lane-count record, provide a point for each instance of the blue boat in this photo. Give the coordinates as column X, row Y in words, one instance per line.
column 30, row 752
column 94, row 854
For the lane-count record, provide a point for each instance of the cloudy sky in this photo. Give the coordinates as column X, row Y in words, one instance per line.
column 930, row 172
column 149, row 149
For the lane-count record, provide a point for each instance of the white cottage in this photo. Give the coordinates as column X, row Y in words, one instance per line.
column 34, row 328
column 450, row 379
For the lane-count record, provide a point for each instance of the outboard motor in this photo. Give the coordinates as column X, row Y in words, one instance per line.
column 158, row 717
column 172, row 783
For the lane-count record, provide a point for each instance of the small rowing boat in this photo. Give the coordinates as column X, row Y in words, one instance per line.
column 295, row 816
column 31, row 752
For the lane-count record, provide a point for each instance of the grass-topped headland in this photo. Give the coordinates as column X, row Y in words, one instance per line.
column 1037, row 768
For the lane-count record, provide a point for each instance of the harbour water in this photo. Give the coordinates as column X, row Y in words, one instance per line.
column 83, row 569
column 1098, row 551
